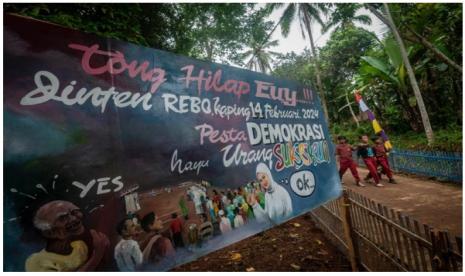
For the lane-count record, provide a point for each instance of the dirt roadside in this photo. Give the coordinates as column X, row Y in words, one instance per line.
column 430, row 202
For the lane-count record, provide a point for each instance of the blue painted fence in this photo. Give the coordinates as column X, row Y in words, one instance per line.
column 443, row 165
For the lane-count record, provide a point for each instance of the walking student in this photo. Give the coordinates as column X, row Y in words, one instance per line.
column 381, row 157
column 365, row 151
column 344, row 151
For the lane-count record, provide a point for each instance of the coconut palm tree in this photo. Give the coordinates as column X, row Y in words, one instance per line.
column 306, row 14
column 345, row 15
column 258, row 57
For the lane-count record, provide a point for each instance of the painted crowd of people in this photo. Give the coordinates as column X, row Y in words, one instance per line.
column 217, row 211
column 146, row 241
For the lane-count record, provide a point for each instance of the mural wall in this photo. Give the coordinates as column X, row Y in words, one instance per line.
column 125, row 158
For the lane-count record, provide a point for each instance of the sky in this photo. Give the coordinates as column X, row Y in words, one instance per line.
column 295, row 42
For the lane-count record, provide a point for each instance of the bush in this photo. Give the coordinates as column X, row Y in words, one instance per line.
column 447, row 139
column 351, row 132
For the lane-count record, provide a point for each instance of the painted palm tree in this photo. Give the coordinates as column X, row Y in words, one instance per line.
column 306, row 14
column 345, row 15
column 258, row 58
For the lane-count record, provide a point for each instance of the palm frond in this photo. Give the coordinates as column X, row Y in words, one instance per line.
column 364, row 19
column 328, row 26
column 287, row 18
column 272, row 53
column 270, row 44
column 270, row 7
column 313, row 11
column 301, row 22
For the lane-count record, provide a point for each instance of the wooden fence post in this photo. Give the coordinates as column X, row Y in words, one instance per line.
column 440, row 252
column 348, row 231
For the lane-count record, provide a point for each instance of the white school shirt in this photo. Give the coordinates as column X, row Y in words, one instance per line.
column 128, row 255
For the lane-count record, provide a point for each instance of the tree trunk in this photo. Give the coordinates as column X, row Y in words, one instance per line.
column 421, row 39
column 209, row 49
column 317, row 67
column 413, row 81
column 458, row 89
column 411, row 113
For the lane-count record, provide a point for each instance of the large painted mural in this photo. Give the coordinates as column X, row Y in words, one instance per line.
column 124, row 158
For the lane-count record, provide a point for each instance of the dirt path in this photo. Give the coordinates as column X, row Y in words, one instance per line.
column 436, row 204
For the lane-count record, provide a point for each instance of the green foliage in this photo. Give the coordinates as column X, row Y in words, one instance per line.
column 345, row 15
column 448, row 139
column 391, row 69
column 341, row 55
column 440, row 23
column 258, row 57
column 144, row 24
column 216, row 32
column 354, row 58
column 350, row 131
column 340, row 61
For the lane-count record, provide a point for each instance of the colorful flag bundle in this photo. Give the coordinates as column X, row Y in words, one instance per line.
column 376, row 127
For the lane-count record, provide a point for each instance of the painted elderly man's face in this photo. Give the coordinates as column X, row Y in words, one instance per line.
column 64, row 219
column 264, row 181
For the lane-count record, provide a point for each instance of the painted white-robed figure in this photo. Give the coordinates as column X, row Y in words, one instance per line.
column 278, row 203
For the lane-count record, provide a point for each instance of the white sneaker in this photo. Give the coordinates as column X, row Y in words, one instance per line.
column 360, row 184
